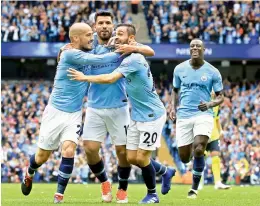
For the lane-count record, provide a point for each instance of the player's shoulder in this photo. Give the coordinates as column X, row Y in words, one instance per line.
column 182, row 66
column 211, row 67
column 69, row 52
column 136, row 57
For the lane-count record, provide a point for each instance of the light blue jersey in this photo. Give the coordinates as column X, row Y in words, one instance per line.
column 195, row 87
column 68, row 95
column 106, row 96
column 146, row 104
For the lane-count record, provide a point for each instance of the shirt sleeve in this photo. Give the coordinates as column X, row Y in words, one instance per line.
column 217, row 82
column 127, row 67
column 84, row 58
column 176, row 79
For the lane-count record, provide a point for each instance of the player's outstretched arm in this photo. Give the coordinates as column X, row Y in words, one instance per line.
column 74, row 56
column 100, row 79
column 126, row 49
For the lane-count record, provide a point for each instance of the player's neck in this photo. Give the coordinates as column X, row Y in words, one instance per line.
column 102, row 42
column 196, row 63
column 75, row 46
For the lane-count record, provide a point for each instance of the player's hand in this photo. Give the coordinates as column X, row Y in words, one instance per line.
column 73, row 74
column 111, row 42
column 204, row 106
column 133, row 43
column 125, row 49
column 65, row 47
column 172, row 114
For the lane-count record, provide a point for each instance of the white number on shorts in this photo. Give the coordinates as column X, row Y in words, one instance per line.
column 78, row 132
column 150, row 140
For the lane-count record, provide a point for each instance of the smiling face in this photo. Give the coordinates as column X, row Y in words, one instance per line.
column 81, row 35
column 197, row 49
column 86, row 40
column 122, row 35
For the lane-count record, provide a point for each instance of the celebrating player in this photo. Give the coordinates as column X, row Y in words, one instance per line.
column 195, row 79
column 148, row 114
column 61, row 120
column 108, row 112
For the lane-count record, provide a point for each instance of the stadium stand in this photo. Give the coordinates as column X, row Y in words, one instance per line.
column 221, row 22
column 49, row 21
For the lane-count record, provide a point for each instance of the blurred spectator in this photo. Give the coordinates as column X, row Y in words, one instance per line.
column 50, row 20
column 218, row 22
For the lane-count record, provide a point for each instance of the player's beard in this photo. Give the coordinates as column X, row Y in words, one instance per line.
column 105, row 37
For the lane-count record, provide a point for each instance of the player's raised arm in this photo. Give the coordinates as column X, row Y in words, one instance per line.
column 100, row 79
column 75, row 56
column 81, row 37
column 126, row 49
column 126, row 67
column 131, row 46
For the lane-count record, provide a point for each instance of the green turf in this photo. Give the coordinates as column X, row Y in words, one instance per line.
column 42, row 194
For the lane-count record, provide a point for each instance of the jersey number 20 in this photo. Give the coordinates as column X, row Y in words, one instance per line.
column 150, row 139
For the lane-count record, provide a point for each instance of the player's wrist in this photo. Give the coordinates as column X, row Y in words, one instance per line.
column 136, row 49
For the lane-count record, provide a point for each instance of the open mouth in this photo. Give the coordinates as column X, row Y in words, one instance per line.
column 195, row 53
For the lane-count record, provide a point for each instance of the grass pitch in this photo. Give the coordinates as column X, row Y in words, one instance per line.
column 42, row 194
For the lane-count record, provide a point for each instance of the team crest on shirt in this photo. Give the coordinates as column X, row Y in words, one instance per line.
column 204, row 78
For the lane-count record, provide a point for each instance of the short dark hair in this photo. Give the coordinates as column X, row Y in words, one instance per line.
column 130, row 28
column 104, row 13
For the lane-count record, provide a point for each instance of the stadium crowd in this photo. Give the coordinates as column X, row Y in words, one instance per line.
column 220, row 22
column 23, row 102
column 50, row 20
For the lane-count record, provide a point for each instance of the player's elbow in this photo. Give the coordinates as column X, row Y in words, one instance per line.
column 150, row 53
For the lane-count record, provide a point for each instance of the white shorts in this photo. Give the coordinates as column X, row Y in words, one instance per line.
column 187, row 129
column 99, row 122
column 58, row 126
column 145, row 135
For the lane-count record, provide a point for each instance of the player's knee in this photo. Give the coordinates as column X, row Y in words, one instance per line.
column 68, row 149
column 199, row 150
column 121, row 152
column 42, row 157
column 142, row 160
column 185, row 159
column 131, row 159
column 69, row 152
column 91, row 149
